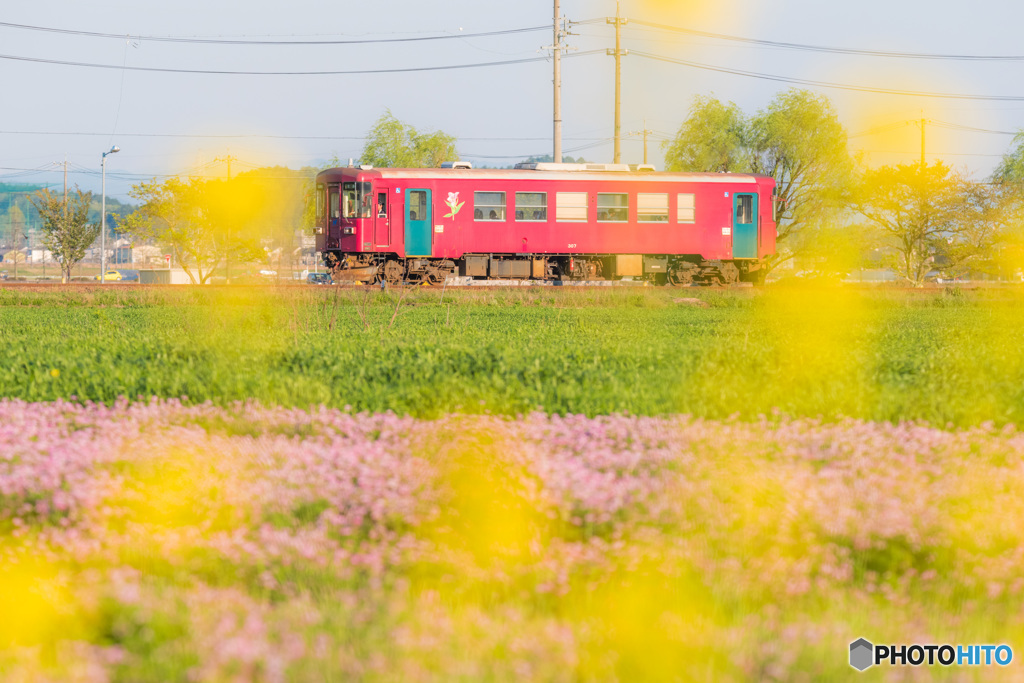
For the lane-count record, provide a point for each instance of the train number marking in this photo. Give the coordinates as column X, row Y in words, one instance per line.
column 572, row 246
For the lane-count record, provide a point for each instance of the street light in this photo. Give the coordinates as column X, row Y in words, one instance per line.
column 103, row 215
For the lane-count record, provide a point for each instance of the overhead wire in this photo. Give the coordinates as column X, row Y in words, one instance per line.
column 818, row 48
column 826, row 84
column 249, row 41
column 350, row 72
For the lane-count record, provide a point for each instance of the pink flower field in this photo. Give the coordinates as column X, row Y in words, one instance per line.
column 166, row 542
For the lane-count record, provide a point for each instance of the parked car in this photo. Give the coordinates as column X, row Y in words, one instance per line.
column 129, row 275
column 111, row 276
column 319, row 279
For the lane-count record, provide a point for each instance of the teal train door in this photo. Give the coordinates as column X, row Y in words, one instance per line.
column 417, row 223
column 744, row 226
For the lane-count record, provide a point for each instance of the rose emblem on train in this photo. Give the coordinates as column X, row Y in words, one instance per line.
column 454, row 204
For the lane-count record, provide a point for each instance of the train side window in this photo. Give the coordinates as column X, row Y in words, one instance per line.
column 744, row 209
column 652, row 208
column 489, row 206
column 571, row 207
column 686, row 208
column 320, row 190
column 531, row 206
column 612, row 207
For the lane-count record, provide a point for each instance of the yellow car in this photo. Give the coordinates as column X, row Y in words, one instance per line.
column 111, row 276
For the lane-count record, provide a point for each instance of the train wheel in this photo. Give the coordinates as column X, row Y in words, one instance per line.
column 729, row 273
column 393, row 272
column 682, row 276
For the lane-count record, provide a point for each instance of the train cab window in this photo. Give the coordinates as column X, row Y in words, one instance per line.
column 382, row 204
column 356, row 200
column 489, row 206
column 686, row 208
column 531, row 206
column 571, row 207
column 652, row 208
column 321, row 190
column 744, row 209
column 612, row 207
column 334, row 209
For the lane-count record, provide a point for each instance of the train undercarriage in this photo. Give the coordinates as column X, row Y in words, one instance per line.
column 656, row 269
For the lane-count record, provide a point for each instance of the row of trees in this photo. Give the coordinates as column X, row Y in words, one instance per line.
column 918, row 217
column 208, row 225
column 205, row 224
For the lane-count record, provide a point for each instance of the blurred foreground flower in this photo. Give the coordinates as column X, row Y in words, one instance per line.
column 160, row 541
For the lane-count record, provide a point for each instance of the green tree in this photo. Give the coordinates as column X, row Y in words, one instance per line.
column 929, row 216
column 1008, row 185
column 193, row 218
column 393, row 144
column 713, row 139
column 797, row 140
column 67, row 232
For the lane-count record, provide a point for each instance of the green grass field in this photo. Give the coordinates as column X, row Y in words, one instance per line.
column 945, row 356
column 167, row 540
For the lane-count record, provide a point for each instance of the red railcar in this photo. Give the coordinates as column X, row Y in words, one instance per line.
column 546, row 221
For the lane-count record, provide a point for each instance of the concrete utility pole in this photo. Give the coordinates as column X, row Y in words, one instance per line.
column 618, row 53
column 557, row 49
column 645, row 132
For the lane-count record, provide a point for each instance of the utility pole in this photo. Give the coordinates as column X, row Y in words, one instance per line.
column 556, row 51
column 227, row 247
column 228, row 159
column 645, row 132
column 922, row 139
column 618, row 53
column 921, row 122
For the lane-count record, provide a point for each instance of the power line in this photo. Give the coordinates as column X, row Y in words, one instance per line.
column 822, row 48
column 249, row 41
column 824, row 84
column 972, row 129
column 272, row 137
column 353, row 72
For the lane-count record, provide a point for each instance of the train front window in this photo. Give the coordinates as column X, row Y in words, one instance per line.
column 356, row 200
column 334, row 209
column 612, row 207
column 320, row 191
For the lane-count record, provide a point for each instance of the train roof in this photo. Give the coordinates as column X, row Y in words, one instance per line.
column 537, row 174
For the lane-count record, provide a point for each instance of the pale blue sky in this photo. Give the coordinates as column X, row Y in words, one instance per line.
column 169, row 123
